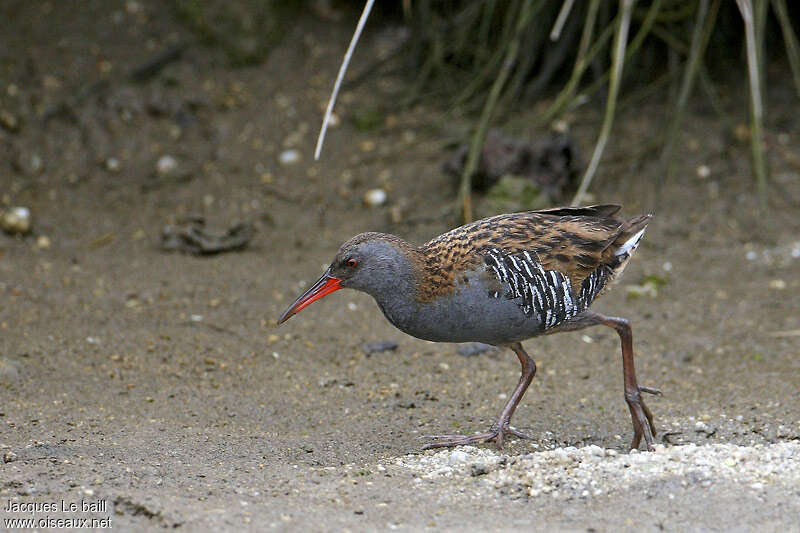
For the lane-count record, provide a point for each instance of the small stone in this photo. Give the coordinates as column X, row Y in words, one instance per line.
column 703, row 171
column 113, row 164
column 479, row 469
column 43, row 242
column 166, row 165
column 9, row 121
column 375, row 198
column 751, row 255
column 777, row 284
column 458, row 456
column 16, row 220
column 289, row 157
column 10, row 457
column 380, row 346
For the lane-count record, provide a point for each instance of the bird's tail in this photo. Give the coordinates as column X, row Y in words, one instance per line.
column 626, row 243
column 632, row 232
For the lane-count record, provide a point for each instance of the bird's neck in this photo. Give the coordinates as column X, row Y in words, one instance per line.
column 396, row 289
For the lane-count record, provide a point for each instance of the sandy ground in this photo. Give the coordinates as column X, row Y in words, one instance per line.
column 157, row 387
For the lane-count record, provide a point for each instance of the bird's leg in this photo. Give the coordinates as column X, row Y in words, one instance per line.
column 642, row 418
column 500, row 428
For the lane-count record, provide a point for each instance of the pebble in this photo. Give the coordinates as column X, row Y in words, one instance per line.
column 777, row 284
column 166, row 165
column 16, row 220
column 289, row 157
column 458, row 456
column 380, row 346
column 43, row 242
column 375, row 197
column 112, row 164
column 780, row 256
column 9, row 457
column 9, row 121
column 591, row 471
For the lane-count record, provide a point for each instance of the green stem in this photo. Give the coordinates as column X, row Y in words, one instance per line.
column 790, row 38
column 620, row 42
column 476, row 145
column 756, row 103
column 704, row 24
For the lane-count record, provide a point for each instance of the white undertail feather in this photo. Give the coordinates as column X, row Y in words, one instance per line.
column 630, row 245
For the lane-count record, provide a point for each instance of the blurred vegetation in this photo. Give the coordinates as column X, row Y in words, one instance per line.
column 246, row 30
column 494, row 56
column 489, row 58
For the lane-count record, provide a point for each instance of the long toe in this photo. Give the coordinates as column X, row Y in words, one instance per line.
column 651, row 390
column 518, row 434
column 496, row 433
column 448, row 441
column 643, row 426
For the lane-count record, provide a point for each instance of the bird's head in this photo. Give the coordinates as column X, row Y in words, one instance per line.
column 375, row 263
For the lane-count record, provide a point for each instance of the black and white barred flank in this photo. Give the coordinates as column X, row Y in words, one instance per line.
column 547, row 294
column 593, row 284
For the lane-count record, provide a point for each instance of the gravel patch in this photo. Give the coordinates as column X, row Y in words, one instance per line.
column 593, row 471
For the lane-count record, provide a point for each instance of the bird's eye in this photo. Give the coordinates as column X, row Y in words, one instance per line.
column 352, row 263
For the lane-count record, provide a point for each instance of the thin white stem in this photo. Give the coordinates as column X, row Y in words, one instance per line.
column 345, row 62
column 562, row 18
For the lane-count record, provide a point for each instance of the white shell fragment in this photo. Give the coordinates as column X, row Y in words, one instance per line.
column 166, row 164
column 289, row 157
column 375, row 197
column 16, row 220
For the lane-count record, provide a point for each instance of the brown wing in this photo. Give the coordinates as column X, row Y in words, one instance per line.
column 572, row 241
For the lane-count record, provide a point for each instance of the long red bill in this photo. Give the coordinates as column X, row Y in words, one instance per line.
column 324, row 285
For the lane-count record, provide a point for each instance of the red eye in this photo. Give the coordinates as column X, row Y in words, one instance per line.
column 352, row 263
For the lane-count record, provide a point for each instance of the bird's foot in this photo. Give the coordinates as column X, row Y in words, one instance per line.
column 496, row 433
column 643, row 426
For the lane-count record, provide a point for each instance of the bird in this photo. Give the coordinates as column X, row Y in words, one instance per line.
column 500, row 281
